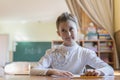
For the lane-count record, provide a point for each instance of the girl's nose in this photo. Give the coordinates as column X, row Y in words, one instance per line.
column 69, row 33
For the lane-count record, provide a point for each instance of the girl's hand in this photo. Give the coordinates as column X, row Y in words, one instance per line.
column 92, row 72
column 59, row 73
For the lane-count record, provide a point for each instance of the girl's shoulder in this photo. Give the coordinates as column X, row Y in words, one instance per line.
column 86, row 50
column 57, row 49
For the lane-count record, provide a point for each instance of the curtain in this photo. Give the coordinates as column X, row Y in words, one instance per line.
column 73, row 6
column 99, row 11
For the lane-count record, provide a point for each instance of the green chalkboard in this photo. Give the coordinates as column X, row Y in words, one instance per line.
column 30, row 51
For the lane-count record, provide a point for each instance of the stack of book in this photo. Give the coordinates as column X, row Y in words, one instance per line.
column 104, row 37
column 104, row 47
column 103, row 34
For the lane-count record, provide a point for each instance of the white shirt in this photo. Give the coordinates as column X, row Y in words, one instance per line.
column 72, row 59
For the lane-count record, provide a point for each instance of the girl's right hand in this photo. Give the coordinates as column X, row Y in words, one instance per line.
column 60, row 73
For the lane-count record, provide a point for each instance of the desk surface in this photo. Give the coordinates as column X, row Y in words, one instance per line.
column 27, row 77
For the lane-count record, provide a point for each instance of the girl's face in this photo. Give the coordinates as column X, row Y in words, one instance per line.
column 68, row 32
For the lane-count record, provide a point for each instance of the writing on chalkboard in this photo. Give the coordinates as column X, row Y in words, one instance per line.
column 30, row 51
column 33, row 50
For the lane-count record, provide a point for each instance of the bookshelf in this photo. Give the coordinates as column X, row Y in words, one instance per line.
column 106, row 51
column 103, row 48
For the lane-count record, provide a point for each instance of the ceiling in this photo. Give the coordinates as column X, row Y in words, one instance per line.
column 31, row 10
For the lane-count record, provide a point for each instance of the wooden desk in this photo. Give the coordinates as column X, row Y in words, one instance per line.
column 27, row 77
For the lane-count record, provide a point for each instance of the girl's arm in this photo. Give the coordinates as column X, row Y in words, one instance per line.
column 101, row 67
column 43, row 65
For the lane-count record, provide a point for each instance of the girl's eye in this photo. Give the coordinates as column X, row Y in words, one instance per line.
column 71, row 29
column 63, row 30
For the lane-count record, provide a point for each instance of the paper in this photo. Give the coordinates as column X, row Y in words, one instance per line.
column 87, row 77
column 76, row 76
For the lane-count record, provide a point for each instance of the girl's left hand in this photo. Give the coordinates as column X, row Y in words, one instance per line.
column 92, row 72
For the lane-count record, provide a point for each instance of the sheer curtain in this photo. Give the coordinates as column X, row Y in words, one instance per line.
column 73, row 6
column 99, row 11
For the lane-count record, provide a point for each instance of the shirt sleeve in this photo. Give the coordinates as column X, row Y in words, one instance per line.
column 43, row 65
column 94, row 61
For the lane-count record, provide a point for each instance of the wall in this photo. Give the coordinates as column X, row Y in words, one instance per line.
column 4, row 53
column 32, row 31
column 117, row 26
column 116, row 15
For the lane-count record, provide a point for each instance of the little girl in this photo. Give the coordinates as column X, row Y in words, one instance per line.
column 70, row 58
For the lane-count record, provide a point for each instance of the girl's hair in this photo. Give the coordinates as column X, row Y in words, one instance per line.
column 64, row 17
